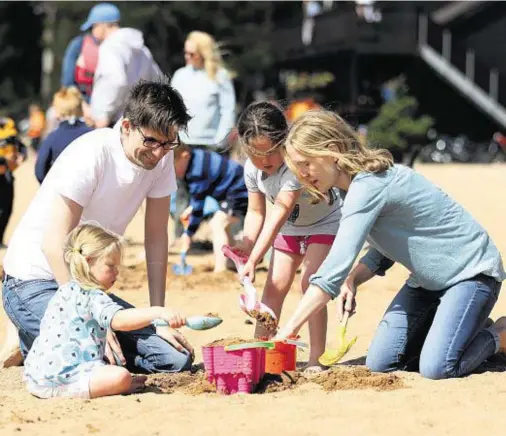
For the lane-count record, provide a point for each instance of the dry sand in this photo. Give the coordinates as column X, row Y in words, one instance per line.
column 348, row 401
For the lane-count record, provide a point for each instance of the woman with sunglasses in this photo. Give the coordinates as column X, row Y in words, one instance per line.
column 209, row 95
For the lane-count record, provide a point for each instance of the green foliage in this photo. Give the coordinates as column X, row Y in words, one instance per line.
column 242, row 29
column 396, row 121
column 20, row 68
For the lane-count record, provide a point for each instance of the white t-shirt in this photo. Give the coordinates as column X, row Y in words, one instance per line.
column 306, row 218
column 94, row 172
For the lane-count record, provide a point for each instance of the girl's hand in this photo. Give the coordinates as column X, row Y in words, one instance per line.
column 346, row 299
column 174, row 319
column 248, row 270
column 244, row 246
column 287, row 332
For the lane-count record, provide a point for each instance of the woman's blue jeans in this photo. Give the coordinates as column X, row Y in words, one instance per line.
column 442, row 334
column 25, row 302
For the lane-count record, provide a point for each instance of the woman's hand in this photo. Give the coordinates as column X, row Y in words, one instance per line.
column 346, row 299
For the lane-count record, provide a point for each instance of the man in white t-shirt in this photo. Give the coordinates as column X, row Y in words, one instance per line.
column 104, row 176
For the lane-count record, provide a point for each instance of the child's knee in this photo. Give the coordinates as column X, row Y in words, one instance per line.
column 124, row 379
column 219, row 221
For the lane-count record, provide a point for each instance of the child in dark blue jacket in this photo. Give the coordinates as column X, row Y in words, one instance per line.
column 210, row 174
column 67, row 104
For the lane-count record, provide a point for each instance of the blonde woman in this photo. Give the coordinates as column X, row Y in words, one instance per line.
column 437, row 323
column 67, row 358
column 209, row 95
column 67, row 106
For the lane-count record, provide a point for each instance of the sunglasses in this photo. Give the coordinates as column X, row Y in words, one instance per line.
column 153, row 143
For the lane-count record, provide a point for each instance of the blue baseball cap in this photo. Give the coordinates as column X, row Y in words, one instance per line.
column 101, row 13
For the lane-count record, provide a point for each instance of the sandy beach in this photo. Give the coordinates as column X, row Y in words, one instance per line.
column 354, row 403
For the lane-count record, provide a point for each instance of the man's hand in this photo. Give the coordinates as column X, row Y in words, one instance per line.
column 175, row 338
column 346, row 299
column 112, row 347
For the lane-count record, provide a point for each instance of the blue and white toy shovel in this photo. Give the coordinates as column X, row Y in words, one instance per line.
column 182, row 269
column 195, row 322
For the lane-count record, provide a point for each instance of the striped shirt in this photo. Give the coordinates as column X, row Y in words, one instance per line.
column 211, row 174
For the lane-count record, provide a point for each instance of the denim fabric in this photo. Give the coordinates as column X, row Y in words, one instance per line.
column 25, row 302
column 439, row 333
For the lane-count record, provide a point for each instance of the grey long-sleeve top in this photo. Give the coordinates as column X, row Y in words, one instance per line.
column 409, row 220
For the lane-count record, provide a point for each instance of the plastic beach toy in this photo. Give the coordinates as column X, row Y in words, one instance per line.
column 248, row 301
column 196, row 322
column 332, row 357
column 182, row 269
column 234, row 371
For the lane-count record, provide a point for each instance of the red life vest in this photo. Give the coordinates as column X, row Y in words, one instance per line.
column 84, row 74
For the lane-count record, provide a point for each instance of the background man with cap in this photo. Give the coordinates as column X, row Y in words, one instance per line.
column 81, row 56
column 123, row 60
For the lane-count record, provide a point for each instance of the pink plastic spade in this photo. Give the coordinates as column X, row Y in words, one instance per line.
column 248, row 301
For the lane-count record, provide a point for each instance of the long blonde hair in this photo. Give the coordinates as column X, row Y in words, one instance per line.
column 209, row 49
column 86, row 244
column 67, row 102
column 322, row 133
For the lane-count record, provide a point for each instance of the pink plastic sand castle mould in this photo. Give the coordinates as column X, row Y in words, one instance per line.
column 234, row 371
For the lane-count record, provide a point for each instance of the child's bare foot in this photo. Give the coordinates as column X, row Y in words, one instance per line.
column 138, row 384
column 500, row 327
column 313, row 369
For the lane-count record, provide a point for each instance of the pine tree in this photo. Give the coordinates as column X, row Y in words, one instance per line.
column 396, row 123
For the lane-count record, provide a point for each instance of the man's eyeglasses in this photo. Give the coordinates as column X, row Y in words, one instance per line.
column 153, row 143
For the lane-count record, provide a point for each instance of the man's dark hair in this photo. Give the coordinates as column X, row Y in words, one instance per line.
column 156, row 106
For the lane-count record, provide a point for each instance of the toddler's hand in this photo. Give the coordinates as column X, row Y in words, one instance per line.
column 174, row 319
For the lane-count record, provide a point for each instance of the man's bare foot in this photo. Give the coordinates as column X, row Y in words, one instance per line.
column 138, row 384
column 10, row 356
column 500, row 327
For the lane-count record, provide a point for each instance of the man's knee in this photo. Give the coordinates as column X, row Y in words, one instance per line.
column 171, row 360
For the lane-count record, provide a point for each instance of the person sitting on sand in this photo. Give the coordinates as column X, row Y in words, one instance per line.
column 300, row 230
column 437, row 323
column 207, row 173
column 67, row 358
column 104, row 176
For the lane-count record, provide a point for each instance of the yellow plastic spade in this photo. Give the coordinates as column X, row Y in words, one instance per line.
column 332, row 357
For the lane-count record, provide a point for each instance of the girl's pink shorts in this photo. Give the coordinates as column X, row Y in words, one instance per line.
column 298, row 244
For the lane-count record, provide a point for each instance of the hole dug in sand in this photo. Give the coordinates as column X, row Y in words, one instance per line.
column 335, row 379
